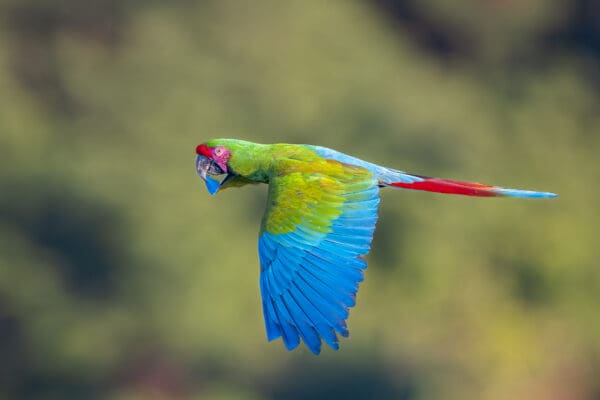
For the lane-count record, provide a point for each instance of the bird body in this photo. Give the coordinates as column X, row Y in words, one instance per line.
column 318, row 226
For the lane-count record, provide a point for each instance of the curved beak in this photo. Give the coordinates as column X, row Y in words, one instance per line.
column 205, row 167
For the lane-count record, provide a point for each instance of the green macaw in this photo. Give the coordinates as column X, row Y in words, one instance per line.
column 317, row 227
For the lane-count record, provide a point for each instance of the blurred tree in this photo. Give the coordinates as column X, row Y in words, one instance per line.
column 120, row 278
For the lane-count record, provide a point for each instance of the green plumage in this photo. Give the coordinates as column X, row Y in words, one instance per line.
column 305, row 189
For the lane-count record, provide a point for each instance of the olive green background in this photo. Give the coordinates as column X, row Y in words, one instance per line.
column 121, row 278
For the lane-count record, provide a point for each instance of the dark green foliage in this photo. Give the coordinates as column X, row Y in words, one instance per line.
column 120, row 277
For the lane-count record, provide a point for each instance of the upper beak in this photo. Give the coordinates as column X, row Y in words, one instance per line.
column 204, row 166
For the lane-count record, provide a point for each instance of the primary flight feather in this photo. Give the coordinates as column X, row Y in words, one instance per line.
column 317, row 227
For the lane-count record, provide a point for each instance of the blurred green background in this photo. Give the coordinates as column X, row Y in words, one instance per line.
column 121, row 278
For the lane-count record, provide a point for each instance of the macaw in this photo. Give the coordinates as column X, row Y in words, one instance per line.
column 318, row 226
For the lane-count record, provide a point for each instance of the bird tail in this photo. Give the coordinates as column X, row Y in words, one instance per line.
column 439, row 185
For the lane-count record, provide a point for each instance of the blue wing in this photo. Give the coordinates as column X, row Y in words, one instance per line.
column 310, row 276
column 383, row 174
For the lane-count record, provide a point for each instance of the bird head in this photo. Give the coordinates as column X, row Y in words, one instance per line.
column 212, row 162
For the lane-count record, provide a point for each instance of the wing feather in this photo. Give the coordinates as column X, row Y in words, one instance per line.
column 317, row 227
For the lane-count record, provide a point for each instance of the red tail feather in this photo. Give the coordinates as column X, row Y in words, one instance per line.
column 449, row 186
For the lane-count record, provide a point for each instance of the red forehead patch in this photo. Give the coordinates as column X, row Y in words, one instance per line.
column 203, row 150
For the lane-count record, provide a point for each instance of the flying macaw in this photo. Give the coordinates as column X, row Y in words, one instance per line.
column 317, row 227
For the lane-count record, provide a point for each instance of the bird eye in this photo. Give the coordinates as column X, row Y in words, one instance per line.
column 218, row 151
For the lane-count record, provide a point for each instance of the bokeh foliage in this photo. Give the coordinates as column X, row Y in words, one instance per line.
column 121, row 278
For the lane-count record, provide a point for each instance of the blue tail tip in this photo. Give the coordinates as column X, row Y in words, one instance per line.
column 526, row 194
column 543, row 195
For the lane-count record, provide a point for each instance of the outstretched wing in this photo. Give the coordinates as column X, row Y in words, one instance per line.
column 318, row 224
